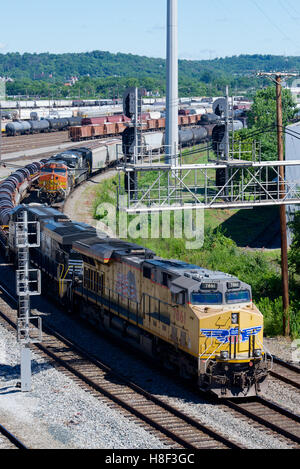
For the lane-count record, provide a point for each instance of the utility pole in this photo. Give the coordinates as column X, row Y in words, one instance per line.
column 276, row 78
column 282, row 212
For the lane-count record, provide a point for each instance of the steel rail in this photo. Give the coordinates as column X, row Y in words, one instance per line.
column 266, row 413
column 12, row 438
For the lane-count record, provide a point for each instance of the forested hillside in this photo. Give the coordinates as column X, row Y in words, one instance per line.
column 104, row 64
column 101, row 73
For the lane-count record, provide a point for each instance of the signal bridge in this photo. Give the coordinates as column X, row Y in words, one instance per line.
column 233, row 183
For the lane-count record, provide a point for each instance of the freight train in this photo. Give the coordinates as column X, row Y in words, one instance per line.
column 155, row 141
column 97, row 127
column 60, row 174
column 56, row 177
column 201, row 323
column 66, row 170
column 16, row 187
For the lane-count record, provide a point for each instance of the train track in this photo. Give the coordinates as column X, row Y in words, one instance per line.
column 28, row 142
column 171, row 425
column 9, row 441
column 286, row 372
column 177, row 428
column 277, row 419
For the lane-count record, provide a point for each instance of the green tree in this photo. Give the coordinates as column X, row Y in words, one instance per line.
column 262, row 119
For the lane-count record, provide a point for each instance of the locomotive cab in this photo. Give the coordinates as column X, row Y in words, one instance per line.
column 54, row 182
column 210, row 317
column 232, row 359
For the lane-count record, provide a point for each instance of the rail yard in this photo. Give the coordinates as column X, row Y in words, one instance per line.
column 271, row 422
column 146, row 309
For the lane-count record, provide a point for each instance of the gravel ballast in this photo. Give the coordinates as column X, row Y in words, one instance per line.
column 57, row 413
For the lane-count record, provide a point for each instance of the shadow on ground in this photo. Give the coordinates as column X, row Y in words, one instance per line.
column 254, row 228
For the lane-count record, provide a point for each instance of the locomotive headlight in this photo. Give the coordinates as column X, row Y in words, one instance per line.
column 224, row 355
column 234, row 318
column 257, row 353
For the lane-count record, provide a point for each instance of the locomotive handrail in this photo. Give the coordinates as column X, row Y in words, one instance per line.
column 267, row 352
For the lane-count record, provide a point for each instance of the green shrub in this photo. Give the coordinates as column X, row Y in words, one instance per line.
column 273, row 316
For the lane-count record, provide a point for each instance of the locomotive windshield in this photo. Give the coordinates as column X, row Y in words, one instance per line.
column 216, row 298
column 242, row 296
column 207, row 298
column 60, row 171
column 46, row 170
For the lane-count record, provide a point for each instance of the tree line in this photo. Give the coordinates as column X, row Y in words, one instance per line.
column 103, row 74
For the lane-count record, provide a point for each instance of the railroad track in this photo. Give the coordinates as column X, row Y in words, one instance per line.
column 13, row 144
column 171, row 425
column 286, row 372
column 277, row 419
column 9, row 441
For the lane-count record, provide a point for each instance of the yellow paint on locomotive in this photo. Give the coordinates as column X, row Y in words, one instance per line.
column 179, row 325
column 220, row 319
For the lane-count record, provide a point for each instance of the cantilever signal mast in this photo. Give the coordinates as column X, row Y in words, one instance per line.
column 276, row 78
column 172, row 83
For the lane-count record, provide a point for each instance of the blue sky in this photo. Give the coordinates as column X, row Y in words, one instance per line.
column 207, row 29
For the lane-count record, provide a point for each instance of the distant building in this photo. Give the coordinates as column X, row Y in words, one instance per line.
column 295, row 92
column 71, row 81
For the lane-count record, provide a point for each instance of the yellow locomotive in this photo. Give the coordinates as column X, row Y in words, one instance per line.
column 200, row 322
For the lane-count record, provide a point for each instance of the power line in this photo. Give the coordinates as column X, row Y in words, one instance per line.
column 272, row 23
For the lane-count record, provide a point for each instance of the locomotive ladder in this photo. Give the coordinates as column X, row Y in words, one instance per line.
column 28, row 283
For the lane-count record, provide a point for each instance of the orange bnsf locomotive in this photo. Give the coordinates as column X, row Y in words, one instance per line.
column 199, row 322
column 55, row 182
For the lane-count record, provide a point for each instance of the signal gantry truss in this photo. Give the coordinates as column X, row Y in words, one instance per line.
column 225, row 184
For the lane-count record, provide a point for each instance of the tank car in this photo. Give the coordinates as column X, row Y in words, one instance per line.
column 14, row 188
column 155, row 141
column 209, row 118
column 58, row 124
column 74, row 121
column 192, row 136
column 39, row 126
column 17, row 128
